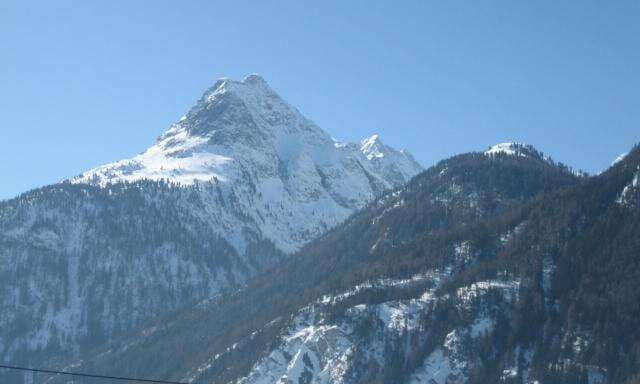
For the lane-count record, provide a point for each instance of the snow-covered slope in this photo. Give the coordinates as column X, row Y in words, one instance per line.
column 314, row 349
column 630, row 192
column 318, row 349
column 237, row 183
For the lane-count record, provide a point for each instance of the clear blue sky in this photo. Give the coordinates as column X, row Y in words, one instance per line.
column 87, row 82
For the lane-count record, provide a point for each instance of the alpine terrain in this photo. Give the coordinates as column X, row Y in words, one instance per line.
column 500, row 266
column 237, row 184
column 247, row 246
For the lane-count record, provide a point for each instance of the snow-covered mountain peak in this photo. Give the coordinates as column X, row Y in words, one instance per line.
column 275, row 162
column 252, row 85
column 246, row 100
column 513, row 149
column 256, row 79
column 385, row 159
column 246, row 122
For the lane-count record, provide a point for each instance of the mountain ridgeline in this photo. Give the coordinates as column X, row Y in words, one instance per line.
column 500, row 266
column 247, row 246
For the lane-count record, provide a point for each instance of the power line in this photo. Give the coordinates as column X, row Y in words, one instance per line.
column 91, row 375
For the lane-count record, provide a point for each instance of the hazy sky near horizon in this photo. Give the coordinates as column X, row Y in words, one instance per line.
column 85, row 83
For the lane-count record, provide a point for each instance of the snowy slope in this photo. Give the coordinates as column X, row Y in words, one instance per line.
column 314, row 349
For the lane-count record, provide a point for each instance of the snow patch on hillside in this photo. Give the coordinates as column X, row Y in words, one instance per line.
column 619, row 158
column 309, row 352
column 438, row 368
column 315, row 351
column 435, row 276
column 506, row 148
column 509, row 288
column 626, row 196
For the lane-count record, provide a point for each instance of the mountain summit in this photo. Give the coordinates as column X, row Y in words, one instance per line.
column 280, row 166
column 239, row 182
column 395, row 165
column 237, row 125
column 514, row 149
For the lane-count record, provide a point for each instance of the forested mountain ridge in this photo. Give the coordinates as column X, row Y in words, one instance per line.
column 242, row 180
column 488, row 267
